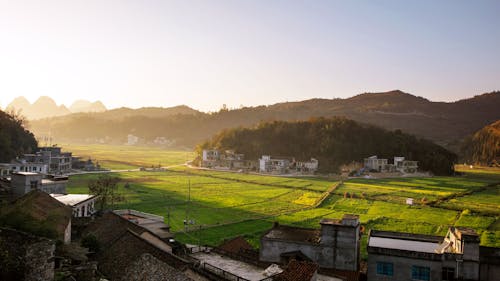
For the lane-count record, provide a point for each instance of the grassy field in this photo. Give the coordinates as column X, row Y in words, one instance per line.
column 224, row 204
column 123, row 157
column 207, row 200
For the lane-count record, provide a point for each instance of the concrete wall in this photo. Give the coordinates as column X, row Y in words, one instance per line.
column 489, row 272
column 401, row 268
column 270, row 250
column 21, row 184
column 347, row 249
column 57, row 187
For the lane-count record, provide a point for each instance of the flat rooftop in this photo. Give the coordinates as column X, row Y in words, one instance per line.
column 405, row 241
column 291, row 233
column 72, row 199
column 238, row 268
column 27, row 173
column 150, row 222
column 402, row 244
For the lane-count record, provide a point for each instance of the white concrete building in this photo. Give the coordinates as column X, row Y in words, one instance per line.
column 278, row 165
column 374, row 163
column 82, row 204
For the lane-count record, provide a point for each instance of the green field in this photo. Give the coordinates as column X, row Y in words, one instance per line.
column 124, row 157
column 226, row 204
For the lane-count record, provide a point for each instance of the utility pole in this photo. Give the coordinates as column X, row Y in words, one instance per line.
column 186, row 220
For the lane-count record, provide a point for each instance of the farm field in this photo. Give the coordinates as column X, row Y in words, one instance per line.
column 124, row 157
column 223, row 205
column 206, row 200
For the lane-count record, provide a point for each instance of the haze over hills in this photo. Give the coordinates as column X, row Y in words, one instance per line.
column 45, row 107
column 445, row 123
column 87, row 106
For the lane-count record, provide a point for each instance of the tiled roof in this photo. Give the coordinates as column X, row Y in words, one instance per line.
column 291, row 233
column 298, row 271
column 123, row 253
column 235, row 245
column 109, row 227
column 42, row 207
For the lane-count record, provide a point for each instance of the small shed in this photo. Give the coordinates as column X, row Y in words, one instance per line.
column 409, row 201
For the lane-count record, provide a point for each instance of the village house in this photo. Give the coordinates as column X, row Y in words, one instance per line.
column 275, row 165
column 82, row 204
column 335, row 246
column 306, row 167
column 24, row 182
column 225, row 160
column 84, row 165
column 41, row 207
column 373, row 163
column 405, row 166
column 132, row 250
column 48, row 160
column 405, row 256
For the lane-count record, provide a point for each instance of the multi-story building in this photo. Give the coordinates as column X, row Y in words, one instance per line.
column 335, row 246
column 382, row 165
column 404, row 256
column 375, row 163
column 277, row 165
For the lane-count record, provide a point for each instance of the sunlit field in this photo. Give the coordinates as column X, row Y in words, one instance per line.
column 123, row 157
column 222, row 205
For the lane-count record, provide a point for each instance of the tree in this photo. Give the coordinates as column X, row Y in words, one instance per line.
column 105, row 187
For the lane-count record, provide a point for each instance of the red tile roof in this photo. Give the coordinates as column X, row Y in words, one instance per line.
column 235, row 245
column 298, row 271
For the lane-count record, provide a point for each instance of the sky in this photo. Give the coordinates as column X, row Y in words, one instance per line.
column 208, row 53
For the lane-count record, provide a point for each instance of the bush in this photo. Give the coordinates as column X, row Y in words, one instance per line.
column 90, row 242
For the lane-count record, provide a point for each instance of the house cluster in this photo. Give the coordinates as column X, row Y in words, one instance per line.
column 139, row 246
column 229, row 160
column 22, row 183
column 225, row 160
column 47, row 160
column 286, row 165
column 382, row 165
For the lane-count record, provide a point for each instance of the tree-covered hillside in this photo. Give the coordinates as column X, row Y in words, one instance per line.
column 444, row 123
column 483, row 148
column 333, row 142
column 14, row 138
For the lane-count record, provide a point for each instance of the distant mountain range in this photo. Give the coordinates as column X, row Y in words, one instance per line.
column 45, row 107
column 445, row 123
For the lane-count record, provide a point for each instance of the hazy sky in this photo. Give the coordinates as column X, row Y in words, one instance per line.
column 207, row 53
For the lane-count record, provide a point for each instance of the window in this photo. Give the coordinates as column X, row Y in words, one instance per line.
column 34, row 184
column 385, row 268
column 448, row 274
column 420, row 273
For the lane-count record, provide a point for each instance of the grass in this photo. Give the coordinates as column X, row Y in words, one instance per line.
column 227, row 204
column 212, row 201
column 124, row 157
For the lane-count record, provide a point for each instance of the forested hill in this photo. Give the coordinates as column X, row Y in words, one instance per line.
column 14, row 138
column 333, row 142
column 483, row 147
column 445, row 123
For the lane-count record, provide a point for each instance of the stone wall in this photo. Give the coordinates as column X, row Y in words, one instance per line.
column 25, row 257
column 147, row 267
